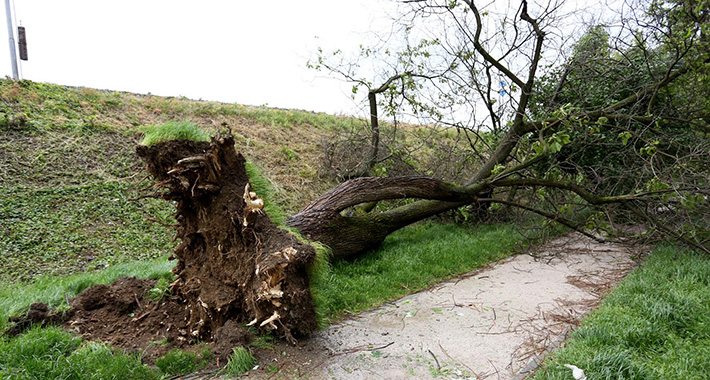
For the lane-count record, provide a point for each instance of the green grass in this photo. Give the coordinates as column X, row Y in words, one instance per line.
column 240, row 361
column 52, row 353
column 57, row 230
column 265, row 190
column 409, row 260
column 173, row 130
column 179, row 362
column 264, row 342
column 161, row 288
column 41, row 107
column 64, row 158
column 654, row 326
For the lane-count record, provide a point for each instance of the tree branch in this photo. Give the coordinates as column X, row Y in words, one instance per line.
column 669, row 231
column 553, row 217
column 481, row 50
column 370, row 189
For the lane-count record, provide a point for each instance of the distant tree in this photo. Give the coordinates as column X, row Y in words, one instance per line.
column 615, row 134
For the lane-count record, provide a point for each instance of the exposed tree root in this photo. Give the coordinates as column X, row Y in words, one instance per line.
column 233, row 262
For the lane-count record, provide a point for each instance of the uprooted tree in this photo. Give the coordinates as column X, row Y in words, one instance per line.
column 616, row 133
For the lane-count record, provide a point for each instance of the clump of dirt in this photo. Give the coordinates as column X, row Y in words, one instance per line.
column 121, row 314
column 229, row 336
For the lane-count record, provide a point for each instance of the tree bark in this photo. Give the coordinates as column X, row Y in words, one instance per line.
column 374, row 132
column 350, row 235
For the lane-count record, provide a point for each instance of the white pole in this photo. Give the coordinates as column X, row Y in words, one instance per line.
column 11, row 34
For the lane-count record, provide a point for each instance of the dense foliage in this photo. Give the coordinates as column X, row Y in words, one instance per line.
column 609, row 131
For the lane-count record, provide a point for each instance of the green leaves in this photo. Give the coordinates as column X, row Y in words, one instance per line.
column 558, row 140
column 497, row 169
column 650, row 148
column 552, row 144
column 625, row 136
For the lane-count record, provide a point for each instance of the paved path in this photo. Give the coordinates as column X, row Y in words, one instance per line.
column 491, row 324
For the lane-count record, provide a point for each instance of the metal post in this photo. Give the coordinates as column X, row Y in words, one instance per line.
column 11, row 34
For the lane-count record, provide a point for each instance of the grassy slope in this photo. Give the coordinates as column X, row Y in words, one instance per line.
column 68, row 171
column 654, row 326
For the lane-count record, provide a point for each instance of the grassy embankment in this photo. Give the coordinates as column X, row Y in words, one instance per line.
column 68, row 170
column 68, row 174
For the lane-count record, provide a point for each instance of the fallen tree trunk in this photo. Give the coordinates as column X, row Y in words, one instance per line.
column 233, row 262
column 351, row 234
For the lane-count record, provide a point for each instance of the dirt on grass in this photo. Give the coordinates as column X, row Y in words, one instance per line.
column 123, row 315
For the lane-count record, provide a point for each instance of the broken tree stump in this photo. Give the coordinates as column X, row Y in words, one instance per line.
column 233, row 263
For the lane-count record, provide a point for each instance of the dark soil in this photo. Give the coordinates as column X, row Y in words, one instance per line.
column 233, row 262
column 121, row 314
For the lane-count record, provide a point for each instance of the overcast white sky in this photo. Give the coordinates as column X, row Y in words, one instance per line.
column 248, row 52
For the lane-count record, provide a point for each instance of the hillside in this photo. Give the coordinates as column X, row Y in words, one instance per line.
column 69, row 171
column 70, row 176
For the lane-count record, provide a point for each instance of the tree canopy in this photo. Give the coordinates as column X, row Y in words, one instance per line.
column 601, row 125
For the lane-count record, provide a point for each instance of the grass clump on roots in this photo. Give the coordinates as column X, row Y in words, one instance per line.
column 654, row 326
column 239, row 362
column 173, row 130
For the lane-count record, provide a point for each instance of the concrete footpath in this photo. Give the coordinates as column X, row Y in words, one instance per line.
column 495, row 323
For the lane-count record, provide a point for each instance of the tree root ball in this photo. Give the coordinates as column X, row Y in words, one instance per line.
column 233, row 264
